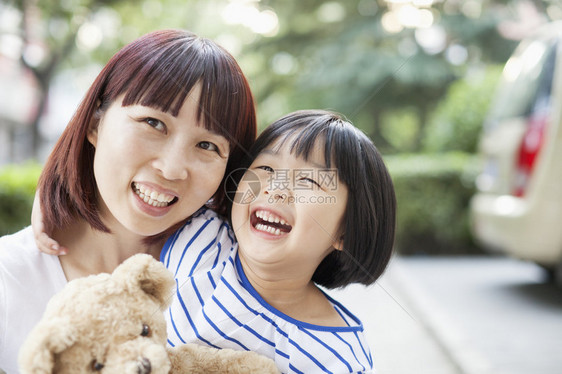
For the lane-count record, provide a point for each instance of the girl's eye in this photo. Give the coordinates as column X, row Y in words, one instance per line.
column 145, row 330
column 157, row 124
column 269, row 169
column 208, row 146
column 311, row 181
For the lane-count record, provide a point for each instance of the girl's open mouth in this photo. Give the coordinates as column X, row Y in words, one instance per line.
column 266, row 221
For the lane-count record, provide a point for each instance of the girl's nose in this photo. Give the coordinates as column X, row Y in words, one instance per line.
column 275, row 196
column 278, row 187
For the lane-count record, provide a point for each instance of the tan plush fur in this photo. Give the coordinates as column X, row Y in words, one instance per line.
column 114, row 324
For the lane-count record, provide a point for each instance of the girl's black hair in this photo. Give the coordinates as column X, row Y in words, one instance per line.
column 369, row 220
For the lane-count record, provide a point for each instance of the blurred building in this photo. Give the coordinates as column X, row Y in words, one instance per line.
column 18, row 105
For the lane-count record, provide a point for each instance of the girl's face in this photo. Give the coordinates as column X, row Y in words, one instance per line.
column 296, row 217
column 153, row 169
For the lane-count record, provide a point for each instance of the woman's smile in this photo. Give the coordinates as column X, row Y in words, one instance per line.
column 153, row 197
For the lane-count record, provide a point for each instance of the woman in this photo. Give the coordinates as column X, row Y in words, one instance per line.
column 167, row 118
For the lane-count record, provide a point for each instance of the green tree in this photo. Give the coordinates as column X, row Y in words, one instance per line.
column 456, row 123
column 338, row 55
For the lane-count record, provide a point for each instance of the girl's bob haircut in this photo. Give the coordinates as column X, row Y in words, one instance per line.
column 157, row 70
column 369, row 218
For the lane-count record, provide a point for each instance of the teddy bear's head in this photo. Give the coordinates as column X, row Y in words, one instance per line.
column 105, row 323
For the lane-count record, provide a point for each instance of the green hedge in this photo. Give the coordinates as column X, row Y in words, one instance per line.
column 433, row 192
column 17, row 189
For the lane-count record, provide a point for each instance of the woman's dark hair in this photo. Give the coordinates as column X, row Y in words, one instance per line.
column 369, row 218
column 157, row 70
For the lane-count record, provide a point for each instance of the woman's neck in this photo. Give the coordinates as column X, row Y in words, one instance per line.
column 91, row 251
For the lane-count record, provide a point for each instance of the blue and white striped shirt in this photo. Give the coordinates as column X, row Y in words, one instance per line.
column 216, row 305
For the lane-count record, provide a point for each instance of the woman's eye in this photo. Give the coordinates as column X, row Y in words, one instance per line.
column 157, row 124
column 208, row 146
column 145, row 330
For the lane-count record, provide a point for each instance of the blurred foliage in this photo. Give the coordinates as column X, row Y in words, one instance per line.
column 335, row 54
column 401, row 128
column 456, row 123
column 326, row 54
column 17, row 189
column 354, row 66
column 433, row 192
column 48, row 32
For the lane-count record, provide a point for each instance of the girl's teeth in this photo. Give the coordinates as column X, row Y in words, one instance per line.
column 266, row 216
column 268, row 229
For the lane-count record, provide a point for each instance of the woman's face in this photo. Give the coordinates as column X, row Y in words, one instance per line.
column 153, row 169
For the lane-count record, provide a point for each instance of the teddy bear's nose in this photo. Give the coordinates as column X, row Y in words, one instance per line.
column 144, row 366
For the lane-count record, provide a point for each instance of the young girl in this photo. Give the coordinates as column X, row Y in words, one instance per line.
column 316, row 207
column 148, row 146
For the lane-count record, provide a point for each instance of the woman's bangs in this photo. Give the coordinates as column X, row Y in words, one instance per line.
column 214, row 110
column 163, row 83
column 166, row 85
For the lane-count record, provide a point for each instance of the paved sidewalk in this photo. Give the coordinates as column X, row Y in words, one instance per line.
column 461, row 315
column 494, row 314
column 401, row 339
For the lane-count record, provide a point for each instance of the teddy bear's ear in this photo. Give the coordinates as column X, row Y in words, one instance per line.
column 148, row 274
column 37, row 354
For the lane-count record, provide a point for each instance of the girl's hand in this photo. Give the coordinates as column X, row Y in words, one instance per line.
column 44, row 242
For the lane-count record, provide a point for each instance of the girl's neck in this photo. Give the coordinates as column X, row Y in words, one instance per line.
column 300, row 299
column 91, row 251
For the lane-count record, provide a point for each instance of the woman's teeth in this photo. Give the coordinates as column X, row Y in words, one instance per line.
column 153, row 198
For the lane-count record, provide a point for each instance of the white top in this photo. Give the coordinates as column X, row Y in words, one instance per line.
column 28, row 279
column 216, row 305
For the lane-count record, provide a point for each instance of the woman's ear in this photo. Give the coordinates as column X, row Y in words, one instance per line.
column 93, row 126
column 338, row 244
column 93, row 135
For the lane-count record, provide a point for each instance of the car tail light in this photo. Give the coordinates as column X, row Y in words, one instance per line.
column 531, row 145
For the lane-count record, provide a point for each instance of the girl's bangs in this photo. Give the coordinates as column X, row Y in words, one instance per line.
column 302, row 139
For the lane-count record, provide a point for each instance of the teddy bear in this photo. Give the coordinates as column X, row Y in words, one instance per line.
column 114, row 323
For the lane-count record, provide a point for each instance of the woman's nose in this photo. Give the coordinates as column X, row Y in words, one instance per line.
column 173, row 163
